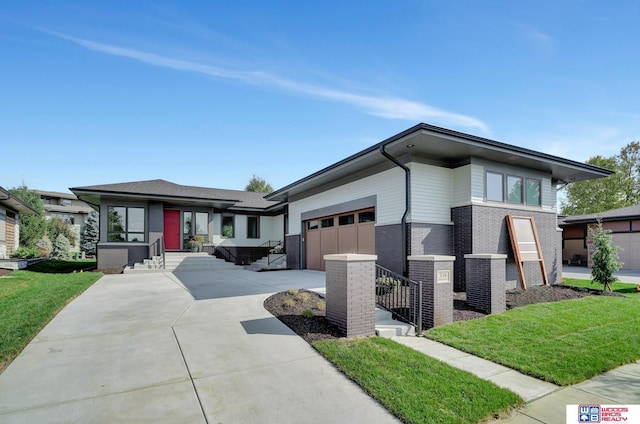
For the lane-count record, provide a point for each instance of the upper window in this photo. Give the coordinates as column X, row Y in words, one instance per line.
column 125, row 224
column 533, row 192
column 228, row 226
column 514, row 189
column 312, row 225
column 253, row 227
column 495, row 187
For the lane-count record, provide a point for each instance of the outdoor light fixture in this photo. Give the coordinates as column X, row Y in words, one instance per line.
column 410, row 146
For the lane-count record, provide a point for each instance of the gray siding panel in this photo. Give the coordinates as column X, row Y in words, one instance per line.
column 389, row 247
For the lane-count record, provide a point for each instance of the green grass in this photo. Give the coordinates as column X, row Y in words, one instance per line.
column 415, row 387
column 561, row 342
column 626, row 289
column 28, row 301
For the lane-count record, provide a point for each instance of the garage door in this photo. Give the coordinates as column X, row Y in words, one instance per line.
column 351, row 232
column 630, row 249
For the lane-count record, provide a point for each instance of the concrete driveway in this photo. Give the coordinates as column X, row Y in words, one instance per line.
column 192, row 347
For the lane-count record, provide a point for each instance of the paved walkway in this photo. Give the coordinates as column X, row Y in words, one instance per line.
column 198, row 347
column 194, row 347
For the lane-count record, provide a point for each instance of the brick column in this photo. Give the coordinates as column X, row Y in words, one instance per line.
column 350, row 281
column 436, row 274
column 486, row 282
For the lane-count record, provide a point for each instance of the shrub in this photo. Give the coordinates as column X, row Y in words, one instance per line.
column 44, row 246
column 61, row 248
column 307, row 313
column 289, row 303
column 293, row 292
column 386, row 284
column 26, row 253
column 57, row 226
column 321, row 305
column 304, row 296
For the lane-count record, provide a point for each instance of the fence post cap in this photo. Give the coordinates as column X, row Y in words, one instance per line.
column 431, row 258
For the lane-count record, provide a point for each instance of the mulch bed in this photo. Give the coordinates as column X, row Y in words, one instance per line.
column 315, row 327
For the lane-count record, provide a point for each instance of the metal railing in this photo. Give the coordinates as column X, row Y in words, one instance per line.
column 224, row 253
column 400, row 296
column 157, row 248
column 277, row 251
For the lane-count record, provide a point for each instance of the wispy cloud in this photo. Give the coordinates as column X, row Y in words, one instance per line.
column 384, row 106
column 537, row 37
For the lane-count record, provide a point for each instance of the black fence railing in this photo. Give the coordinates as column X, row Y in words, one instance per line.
column 157, row 248
column 400, row 296
column 272, row 250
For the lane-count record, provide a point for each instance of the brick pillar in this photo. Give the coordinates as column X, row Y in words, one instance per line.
column 351, row 304
column 436, row 274
column 486, row 282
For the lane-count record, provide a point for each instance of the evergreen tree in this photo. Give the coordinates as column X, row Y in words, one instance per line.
column 57, row 226
column 89, row 234
column 61, row 249
column 258, row 185
column 32, row 226
column 605, row 257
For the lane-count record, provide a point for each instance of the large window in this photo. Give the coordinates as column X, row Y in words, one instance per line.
column 253, row 227
column 514, row 189
column 125, row 224
column 533, row 192
column 495, row 187
column 228, row 226
column 199, row 225
column 517, row 190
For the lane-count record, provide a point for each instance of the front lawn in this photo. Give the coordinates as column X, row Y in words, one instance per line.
column 622, row 288
column 415, row 387
column 29, row 300
column 561, row 342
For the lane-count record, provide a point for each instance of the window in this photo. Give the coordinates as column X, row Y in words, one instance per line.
column 366, row 216
column 532, row 192
column 187, row 225
column 312, row 225
column 202, row 224
column 228, row 226
column 346, row 220
column 125, row 224
column 327, row 222
column 65, row 202
column 253, row 227
column 495, row 187
column 514, row 189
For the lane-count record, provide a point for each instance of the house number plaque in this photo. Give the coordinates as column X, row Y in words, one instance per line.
column 443, row 276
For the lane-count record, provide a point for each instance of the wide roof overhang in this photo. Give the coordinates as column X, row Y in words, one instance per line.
column 93, row 198
column 445, row 147
column 12, row 202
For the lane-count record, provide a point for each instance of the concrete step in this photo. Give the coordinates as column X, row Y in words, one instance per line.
column 387, row 327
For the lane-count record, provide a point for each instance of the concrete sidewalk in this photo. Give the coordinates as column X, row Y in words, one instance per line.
column 193, row 347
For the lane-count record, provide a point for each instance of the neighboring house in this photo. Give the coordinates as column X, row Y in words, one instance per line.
column 427, row 190
column 67, row 207
column 624, row 224
column 10, row 207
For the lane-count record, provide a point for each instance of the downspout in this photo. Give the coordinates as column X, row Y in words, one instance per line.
column 407, row 205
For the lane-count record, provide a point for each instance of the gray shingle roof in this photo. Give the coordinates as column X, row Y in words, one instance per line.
column 626, row 212
column 162, row 188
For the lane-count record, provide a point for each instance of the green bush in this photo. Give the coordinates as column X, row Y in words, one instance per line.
column 26, row 253
column 307, row 313
column 44, row 246
column 61, row 248
column 386, row 284
column 289, row 303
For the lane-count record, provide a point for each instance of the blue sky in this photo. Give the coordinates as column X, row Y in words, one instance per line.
column 209, row 93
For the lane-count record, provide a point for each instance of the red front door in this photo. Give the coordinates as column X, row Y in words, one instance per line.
column 171, row 229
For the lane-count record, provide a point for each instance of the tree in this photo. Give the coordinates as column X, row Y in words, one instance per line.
column 61, row 248
column 32, row 227
column 258, row 185
column 616, row 191
column 605, row 256
column 57, row 226
column 89, row 234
